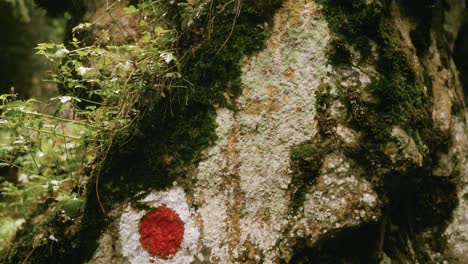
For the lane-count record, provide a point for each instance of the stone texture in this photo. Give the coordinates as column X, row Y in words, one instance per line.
column 452, row 162
column 402, row 150
column 244, row 181
column 340, row 198
column 457, row 231
column 240, row 197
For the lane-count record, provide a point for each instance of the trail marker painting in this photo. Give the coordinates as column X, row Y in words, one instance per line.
column 161, row 232
column 164, row 234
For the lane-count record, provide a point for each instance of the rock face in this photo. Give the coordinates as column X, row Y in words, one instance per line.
column 244, row 182
column 348, row 144
column 244, row 201
column 243, row 189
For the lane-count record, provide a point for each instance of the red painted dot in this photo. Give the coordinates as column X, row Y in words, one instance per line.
column 161, row 232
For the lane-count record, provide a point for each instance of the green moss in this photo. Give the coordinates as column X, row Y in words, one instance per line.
column 416, row 201
column 401, row 102
column 402, row 99
column 352, row 22
column 214, row 69
column 37, row 244
column 357, row 23
column 306, row 161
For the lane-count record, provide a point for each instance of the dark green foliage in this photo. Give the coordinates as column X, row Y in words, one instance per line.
column 20, row 34
column 45, row 250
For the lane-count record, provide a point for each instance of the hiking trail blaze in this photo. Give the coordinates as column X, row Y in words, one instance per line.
column 161, row 232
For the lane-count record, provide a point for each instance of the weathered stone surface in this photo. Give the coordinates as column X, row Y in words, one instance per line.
column 340, row 198
column 347, row 135
column 240, row 199
column 452, row 162
column 242, row 188
column 457, row 231
column 442, row 109
column 402, row 150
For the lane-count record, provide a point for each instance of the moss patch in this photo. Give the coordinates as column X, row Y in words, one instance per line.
column 352, row 22
column 214, row 68
column 306, row 161
column 416, row 201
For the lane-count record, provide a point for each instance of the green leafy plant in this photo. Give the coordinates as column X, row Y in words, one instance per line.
column 103, row 89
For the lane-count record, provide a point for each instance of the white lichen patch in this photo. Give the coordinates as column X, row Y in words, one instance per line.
column 242, row 187
column 340, row 198
column 125, row 247
column 347, row 135
column 402, row 150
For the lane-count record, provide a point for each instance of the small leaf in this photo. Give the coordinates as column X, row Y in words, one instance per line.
column 130, row 10
column 72, row 206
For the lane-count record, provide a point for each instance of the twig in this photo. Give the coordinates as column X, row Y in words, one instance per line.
column 66, row 151
column 115, row 21
column 16, row 166
column 29, row 255
column 60, row 119
column 34, row 160
column 99, row 172
column 51, row 133
column 238, row 9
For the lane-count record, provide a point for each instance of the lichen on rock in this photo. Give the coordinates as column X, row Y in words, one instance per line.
column 245, row 178
column 336, row 127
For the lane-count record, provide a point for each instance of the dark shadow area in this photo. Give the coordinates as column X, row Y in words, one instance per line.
column 461, row 56
column 352, row 245
column 16, row 52
column 415, row 206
